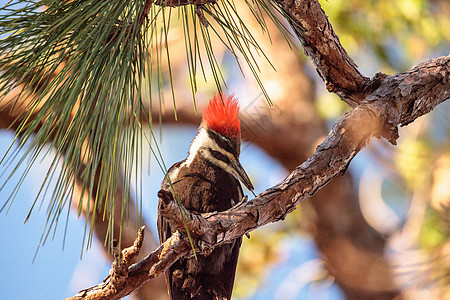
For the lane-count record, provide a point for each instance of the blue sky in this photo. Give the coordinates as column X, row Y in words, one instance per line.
column 51, row 276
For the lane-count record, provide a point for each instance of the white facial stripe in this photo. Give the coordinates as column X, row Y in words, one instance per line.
column 221, row 164
column 199, row 140
column 203, row 140
column 173, row 175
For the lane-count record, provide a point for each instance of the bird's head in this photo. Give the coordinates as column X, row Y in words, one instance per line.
column 219, row 137
column 221, row 116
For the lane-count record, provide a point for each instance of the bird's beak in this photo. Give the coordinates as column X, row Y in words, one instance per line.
column 242, row 175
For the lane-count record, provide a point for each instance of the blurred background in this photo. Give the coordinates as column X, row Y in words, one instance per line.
column 381, row 228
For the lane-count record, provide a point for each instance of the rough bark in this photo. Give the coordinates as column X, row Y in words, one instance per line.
column 379, row 116
column 321, row 44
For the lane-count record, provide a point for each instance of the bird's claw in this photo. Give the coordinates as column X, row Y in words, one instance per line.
column 165, row 196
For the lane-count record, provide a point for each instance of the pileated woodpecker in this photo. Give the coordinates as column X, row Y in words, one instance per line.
column 206, row 181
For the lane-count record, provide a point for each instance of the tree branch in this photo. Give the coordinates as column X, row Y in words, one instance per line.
column 345, row 140
column 384, row 109
column 322, row 45
column 150, row 267
column 119, row 271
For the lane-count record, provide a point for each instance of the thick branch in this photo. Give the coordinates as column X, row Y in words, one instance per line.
column 420, row 89
column 322, row 45
column 345, row 140
column 331, row 158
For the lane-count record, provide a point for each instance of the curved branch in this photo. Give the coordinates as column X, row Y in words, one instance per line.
column 321, row 44
column 387, row 107
column 150, row 267
column 345, row 140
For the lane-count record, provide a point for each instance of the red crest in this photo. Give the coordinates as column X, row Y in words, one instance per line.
column 222, row 116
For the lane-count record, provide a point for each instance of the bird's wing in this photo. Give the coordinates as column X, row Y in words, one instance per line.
column 230, row 265
column 164, row 231
column 163, row 226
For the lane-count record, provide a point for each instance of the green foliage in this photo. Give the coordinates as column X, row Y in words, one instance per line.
column 399, row 32
column 434, row 231
column 83, row 62
column 330, row 107
column 85, row 70
column 414, row 161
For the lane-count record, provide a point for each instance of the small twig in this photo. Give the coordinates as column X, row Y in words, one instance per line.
column 174, row 249
column 122, row 260
column 147, row 6
column 118, row 274
column 175, row 3
column 200, row 16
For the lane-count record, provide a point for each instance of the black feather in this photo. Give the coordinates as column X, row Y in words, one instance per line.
column 202, row 187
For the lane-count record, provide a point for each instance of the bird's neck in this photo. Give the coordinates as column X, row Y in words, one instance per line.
column 201, row 141
column 214, row 149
